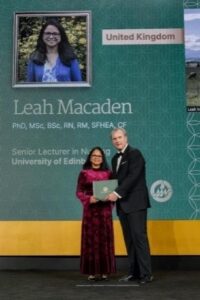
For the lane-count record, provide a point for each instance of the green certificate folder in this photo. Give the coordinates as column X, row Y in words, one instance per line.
column 103, row 188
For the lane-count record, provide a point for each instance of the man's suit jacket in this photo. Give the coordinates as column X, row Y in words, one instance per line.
column 132, row 181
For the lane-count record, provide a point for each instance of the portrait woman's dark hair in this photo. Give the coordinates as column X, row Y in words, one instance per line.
column 104, row 164
column 65, row 50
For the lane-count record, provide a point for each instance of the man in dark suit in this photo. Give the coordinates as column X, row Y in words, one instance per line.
column 132, row 201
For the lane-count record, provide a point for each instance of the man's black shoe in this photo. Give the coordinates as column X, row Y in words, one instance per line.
column 146, row 279
column 127, row 278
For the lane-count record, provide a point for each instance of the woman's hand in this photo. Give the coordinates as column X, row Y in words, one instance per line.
column 93, row 199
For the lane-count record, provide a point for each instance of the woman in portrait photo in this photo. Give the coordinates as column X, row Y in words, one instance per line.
column 97, row 239
column 53, row 60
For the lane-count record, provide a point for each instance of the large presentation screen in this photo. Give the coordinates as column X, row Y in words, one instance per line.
column 128, row 71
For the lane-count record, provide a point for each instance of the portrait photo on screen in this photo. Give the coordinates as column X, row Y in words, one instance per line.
column 52, row 49
column 192, row 58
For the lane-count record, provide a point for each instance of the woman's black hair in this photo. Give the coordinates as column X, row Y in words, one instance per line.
column 104, row 164
column 65, row 51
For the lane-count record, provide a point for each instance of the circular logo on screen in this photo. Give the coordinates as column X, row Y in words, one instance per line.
column 105, row 189
column 161, row 190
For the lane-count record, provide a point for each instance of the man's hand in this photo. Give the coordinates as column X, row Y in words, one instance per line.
column 112, row 197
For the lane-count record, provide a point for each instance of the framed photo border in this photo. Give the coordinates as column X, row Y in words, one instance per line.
column 87, row 83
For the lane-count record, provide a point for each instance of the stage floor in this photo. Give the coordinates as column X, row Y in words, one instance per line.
column 69, row 285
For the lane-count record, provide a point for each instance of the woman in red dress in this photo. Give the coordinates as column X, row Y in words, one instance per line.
column 97, row 239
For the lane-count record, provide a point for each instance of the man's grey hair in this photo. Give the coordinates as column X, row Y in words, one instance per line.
column 118, row 129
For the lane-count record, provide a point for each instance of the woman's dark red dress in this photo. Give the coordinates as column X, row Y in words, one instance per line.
column 97, row 240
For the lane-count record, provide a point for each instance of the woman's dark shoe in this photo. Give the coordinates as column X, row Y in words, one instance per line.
column 104, row 277
column 91, row 278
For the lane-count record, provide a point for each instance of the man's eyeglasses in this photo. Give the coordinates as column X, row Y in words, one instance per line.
column 54, row 34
